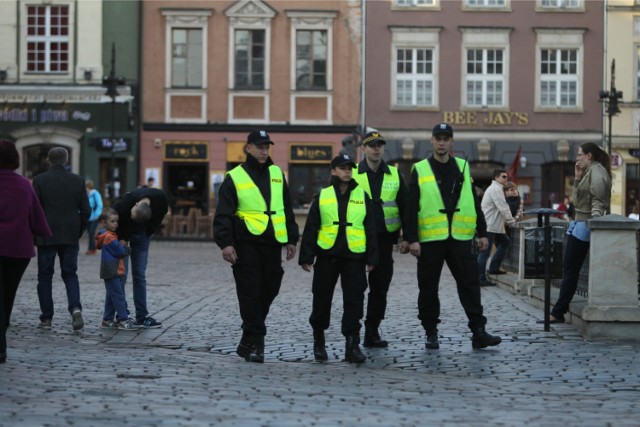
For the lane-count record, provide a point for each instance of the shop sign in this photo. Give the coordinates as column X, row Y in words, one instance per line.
column 634, row 152
column 42, row 115
column 186, row 151
column 490, row 118
column 310, row 153
column 106, row 144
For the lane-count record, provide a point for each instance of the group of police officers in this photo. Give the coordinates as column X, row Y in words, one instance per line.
column 351, row 229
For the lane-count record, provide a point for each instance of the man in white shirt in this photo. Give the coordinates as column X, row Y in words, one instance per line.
column 497, row 214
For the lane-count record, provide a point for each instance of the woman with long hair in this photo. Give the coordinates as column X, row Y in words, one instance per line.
column 591, row 199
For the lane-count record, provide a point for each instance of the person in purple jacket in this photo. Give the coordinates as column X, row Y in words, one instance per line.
column 21, row 217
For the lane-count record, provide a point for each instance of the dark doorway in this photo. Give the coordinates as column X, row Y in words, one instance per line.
column 120, row 179
column 307, row 180
column 632, row 188
column 556, row 182
column 187, row 185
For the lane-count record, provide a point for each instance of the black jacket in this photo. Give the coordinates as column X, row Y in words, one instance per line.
column 63, row 196
column 159, row 208
column 309, row 248
column 229, row 228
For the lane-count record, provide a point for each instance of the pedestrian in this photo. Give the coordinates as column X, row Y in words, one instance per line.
column 340, row 235
column 254, row 219
column 442, row 218
column 21, row 217
column 497, row 214
column 512, row 196
column 63, row 196
column 140, row 213
column 113, row 268
column 95, row 202
column 591, row 198
column 386, row 188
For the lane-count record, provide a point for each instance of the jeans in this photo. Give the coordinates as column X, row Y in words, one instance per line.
column 115, row 298
column 574, row 255
column 68, row 255
column 139, row 244
column 91, row 232
column 502, row 244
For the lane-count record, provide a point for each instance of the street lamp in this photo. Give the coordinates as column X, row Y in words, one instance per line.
column 610, row 98
column 111, row 82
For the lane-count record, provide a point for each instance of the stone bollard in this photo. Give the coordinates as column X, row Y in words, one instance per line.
column 612, row 309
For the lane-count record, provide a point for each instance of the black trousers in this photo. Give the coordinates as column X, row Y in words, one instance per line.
column 464, row 268
column 380, row 279
column 258, row 274
column 11, row 271
column 353, row 279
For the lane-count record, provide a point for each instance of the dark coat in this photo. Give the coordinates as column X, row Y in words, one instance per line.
column 63, row 196
column 159, row 208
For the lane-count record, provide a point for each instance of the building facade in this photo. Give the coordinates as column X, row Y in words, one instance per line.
column 214, row 71
column 505, row 74
column 52, row 62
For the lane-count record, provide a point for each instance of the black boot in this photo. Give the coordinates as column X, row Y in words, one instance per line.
column 372, row 336
column 319, row 349
column 3, row 357
column 481, row 339
column 257, row 351
column 352, row 353
column 244, row 347
column 431, row 342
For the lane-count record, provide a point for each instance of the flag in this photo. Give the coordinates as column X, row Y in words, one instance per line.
column 513, row 170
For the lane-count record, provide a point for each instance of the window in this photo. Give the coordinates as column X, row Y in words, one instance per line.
column 412, row 3
column 560, row 4
column 414, row 77
column 485, row 79
column 311, row 60
column 48, row 39
column 559, row 77
column 486, row 3
column 186, row 64
column 249, row 59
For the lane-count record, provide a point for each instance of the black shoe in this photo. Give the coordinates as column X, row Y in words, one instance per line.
column 482, row 339
column 431, row 342
column 244, row 350
column 352, row 353
column 486, row 283
column 372, row 337
column 498, row 272
column 257, row 350
column 3, row 357
column 319, row 349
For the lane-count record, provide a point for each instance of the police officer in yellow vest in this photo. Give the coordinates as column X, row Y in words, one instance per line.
column 442, row 217
column 340, row 237
column 253, row 221
column 387, row 190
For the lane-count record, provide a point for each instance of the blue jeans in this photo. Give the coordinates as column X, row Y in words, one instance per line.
column 139, row 244
column 91, row 231
column 68, row 255
column 115, row 298
column 502, row 244
column 575, row 253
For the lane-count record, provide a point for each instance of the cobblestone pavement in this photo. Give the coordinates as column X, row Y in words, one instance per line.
column 188, row 374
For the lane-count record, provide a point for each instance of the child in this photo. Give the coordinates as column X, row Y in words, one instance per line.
column 341, row 235
column 512, row 196
column 112, row 270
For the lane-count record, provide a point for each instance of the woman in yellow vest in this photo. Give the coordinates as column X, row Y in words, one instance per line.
column 340, row 237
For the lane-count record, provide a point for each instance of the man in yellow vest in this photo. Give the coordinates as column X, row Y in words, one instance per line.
column 387, row 190
column 340, row 237
column 442, row 217
column 253, row 221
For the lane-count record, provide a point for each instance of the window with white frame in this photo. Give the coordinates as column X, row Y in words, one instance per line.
column 486, row 3
column 249, row 59
column 311, row 59
column 48, row 39
column 187, row 58
column 485, row 78
column 559, row 80
column 414, row 3
column 560, row 4
column 414, row 77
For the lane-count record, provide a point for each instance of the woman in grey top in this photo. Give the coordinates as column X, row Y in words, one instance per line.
column 591, row 198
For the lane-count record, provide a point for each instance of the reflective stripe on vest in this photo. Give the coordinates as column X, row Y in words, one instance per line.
column 252, row 208
column 388, row 194
column 330, row 220
column 433, row 224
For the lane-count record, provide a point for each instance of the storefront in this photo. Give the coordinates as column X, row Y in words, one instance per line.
column 309, row 171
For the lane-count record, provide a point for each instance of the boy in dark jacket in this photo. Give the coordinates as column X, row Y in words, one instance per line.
column 340, row 235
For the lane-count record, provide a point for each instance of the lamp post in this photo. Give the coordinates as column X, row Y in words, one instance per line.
column 111, row 82
column 610, row 98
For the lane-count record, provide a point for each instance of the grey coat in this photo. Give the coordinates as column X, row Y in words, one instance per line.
column 63, row 196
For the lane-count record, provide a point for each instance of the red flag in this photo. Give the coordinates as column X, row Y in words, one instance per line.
column 513, row 170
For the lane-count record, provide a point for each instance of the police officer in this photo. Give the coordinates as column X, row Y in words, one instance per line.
column 253, row 221
column 340, row 236
column 442, row 217
column 387, row 190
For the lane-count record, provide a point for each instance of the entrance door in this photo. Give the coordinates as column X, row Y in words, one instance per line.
column 120, row 180
column 556, row 182
column 633, row 188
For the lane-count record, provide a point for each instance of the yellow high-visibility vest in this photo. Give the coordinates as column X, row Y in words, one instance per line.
column 388, row 194
column 330, row 220
column 432, row 224
column 252, row 208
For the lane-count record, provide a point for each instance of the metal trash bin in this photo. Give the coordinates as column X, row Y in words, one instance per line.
column 534, row 259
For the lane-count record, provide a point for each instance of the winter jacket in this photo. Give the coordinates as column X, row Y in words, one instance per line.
column 592, row 194
column 113, row 254
column 495, row 208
